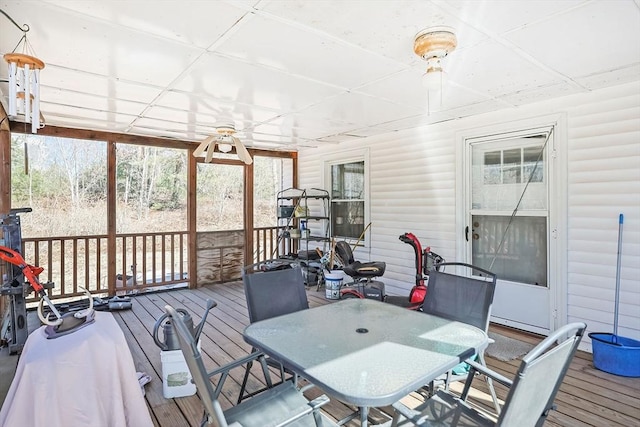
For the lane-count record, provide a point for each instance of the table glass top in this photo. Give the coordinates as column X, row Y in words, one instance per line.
column 366, row 352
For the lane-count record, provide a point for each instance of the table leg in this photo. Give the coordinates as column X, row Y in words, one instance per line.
column 364, row 415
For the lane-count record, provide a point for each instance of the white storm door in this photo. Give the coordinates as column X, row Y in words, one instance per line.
column 508, row 217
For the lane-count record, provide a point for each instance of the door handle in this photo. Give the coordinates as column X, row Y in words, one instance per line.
column 466, row 233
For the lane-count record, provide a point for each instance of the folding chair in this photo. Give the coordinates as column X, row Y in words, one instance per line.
column 531, row 392
column 463, row 298
column 271, row 293
column 281, row 405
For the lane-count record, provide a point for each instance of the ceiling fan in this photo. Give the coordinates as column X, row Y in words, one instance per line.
column 224, row 141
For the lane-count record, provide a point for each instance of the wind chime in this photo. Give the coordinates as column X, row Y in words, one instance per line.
column 24, row 81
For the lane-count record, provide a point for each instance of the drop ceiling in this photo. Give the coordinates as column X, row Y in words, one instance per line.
column 294, row 74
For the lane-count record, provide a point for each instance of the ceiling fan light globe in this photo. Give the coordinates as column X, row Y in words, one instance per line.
column 433, row 80
column 224, row 147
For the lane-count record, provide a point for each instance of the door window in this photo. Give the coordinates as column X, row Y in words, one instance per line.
column 506, row 174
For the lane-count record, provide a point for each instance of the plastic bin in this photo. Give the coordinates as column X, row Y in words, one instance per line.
column 333, row 283
column 615, row 354
column 176, row 377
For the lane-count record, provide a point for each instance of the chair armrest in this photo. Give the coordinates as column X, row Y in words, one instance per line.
column 235, row 363
column 318, row 402
column 312, row 406
column 224, row 370
column 488, row 372
column 404, row 410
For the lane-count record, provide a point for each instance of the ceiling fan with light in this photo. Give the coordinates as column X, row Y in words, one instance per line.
column 223, row 141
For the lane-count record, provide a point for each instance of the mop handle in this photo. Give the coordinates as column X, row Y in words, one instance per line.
column 617, row 302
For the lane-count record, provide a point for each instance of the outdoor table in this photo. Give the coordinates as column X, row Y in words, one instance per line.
column 365, row 352
column 86, row 378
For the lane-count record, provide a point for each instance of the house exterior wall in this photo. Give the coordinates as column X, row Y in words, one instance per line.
column 412, row 188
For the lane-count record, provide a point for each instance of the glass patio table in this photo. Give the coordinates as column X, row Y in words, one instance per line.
column 365, row 352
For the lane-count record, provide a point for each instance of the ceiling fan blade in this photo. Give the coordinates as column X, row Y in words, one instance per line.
column 203, row 146
column 210, row 150
column 242, row 152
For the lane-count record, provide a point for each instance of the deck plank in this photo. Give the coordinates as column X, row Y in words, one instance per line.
column 587, row 397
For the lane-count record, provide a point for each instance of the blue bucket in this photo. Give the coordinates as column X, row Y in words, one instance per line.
column 615, row 354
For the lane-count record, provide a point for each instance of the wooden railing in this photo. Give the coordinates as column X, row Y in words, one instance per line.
column 142, row 260
column 266, row 245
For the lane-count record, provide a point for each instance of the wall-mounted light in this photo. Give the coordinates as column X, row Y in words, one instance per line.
column 24, row 80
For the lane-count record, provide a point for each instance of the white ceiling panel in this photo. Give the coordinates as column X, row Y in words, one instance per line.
column 230, row 80
column 307, row 54
column 415, row 121
column 189, row 25
column 504, row 15
column 222, row 110
column 496, row 70
column 611, row 77
column 384, row 26
column 84, row 113
column 360, row 110
column 594, row 38
column 302, row 126
column 149, row 123
column 539, row 94
column 91, row 102
column 407, row 87
column 87, row 44
column 181, row 116
column 299, row 73
column 94, row 84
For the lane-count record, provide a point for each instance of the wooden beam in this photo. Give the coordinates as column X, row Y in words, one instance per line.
column 125, row 138
column 97, row 135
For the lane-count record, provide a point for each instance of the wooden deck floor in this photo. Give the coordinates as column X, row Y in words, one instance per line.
column 588, row 397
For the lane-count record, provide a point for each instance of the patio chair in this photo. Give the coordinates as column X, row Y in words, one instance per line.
column 282, row 405
column 271, row 293
column 531, row 392
column 466, row 299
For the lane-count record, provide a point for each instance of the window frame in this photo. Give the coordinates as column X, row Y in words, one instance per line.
column 341, row 158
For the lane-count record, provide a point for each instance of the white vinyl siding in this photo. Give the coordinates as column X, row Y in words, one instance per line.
column 413, row 189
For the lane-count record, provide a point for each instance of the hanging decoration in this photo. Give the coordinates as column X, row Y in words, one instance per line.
column 24, row 81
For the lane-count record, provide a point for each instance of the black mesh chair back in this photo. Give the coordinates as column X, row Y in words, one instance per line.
column 465, row 297
column 461, row 298
column 273, row 293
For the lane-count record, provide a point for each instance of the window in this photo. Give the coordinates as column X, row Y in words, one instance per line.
column 348, row 199
column 513, row 166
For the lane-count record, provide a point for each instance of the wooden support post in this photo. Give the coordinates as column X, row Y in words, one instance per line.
column 111, row 218
column 5, row 181
column 192, row 244
column 248, row 214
